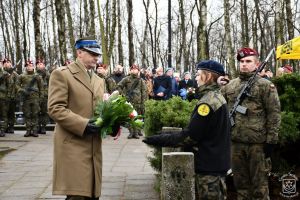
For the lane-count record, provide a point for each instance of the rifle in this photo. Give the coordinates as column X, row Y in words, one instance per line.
column 245, row 92
column 15, row 66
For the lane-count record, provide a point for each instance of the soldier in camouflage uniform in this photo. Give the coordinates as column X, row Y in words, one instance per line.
column 30, row 88
column 134, row 89
column 43, row 114
column 4, row 77
column 11, row 95
column 207, row 135
column 256, row 132
column 110, row 83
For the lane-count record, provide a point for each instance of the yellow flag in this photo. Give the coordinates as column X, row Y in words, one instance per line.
column 289, row 50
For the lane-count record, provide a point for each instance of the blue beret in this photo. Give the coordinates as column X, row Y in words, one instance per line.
column 89, row 45
column 212, row 66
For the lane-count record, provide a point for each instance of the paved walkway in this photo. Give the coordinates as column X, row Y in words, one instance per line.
column 26, row 173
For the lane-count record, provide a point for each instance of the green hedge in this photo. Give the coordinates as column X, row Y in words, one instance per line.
column 286, row 158
column 174, row 112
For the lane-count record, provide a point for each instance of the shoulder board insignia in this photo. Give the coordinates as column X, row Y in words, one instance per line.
column 203, row 109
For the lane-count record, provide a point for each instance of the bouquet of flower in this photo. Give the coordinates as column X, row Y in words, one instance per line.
column 116, row 112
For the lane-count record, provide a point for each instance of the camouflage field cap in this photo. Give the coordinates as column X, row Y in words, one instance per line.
column 89, row 45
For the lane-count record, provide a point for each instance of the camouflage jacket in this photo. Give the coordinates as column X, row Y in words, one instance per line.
column 4, row 76
column 261, row 122
column 109, row 82
column 134, row 89
column 12, row 85
column 30, row 86
column 45, row 77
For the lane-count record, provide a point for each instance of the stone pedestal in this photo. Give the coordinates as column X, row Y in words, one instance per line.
column 178, row 176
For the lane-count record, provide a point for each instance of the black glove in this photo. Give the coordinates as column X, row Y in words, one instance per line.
column 91, row 128
column 268, row 149
column 153, row 140
column 115, row 130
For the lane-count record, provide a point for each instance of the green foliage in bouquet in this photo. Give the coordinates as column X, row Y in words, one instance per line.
column 285, row 157
column 116, row 111
column 174, row 112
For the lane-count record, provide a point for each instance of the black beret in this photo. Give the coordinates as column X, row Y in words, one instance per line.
column 212, row 66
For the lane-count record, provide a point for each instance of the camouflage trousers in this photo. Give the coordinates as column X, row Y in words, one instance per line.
column 43, row 114
column 3, row 114
column 250, row 171
column 210, row 187
column 31, row 109
column 11, row 112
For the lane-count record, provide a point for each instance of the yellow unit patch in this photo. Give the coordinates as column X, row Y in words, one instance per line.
column 203, row 110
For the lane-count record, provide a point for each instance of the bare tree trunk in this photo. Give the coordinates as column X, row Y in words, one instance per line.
column 86, row 18
column 202, row 38
column 130, row 33
column 230, row 63
column 3, row 33
column 113, row 29
column 153, row 51
column 289, row 19
column 183, row 35
column 39, row 52
column 105, row 57
column 120, row 45
column 9, row 47
column 18, row 41
column 24, row 32
column 61, row 28
column 70, row 27
column 80, row 19
column 278, row 22
column 92, row 30
column 244, row 23
column 55, row 45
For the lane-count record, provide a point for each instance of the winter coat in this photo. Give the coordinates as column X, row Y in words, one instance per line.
column 77, row 156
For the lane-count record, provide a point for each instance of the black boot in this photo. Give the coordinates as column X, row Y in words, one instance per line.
column 42, row 130
column 136, row 135
column 11, row 130
column 27, row 134
column 34, row 133
column 130, row 136
column 140, row 133
column 2, row 134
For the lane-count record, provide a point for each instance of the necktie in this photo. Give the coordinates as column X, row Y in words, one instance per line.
column 89, row 73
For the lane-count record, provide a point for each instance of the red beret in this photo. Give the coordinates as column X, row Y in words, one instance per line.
column 104, row 66
column 28, row 62
column 134, row 67
column 5, row 60
column 288, row 68
column 39, row 61
column 67, row 62
column 244, row 52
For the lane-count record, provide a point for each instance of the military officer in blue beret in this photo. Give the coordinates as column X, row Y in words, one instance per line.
column 207, row 135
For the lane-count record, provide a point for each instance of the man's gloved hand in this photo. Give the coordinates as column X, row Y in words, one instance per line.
column 268, row 149
column 91, row 128
column 115, row 130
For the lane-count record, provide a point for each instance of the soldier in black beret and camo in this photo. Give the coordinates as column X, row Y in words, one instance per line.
column 256, row 132
column 207, row 135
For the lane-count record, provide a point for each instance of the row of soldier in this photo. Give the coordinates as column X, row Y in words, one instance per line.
column 30, row 91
